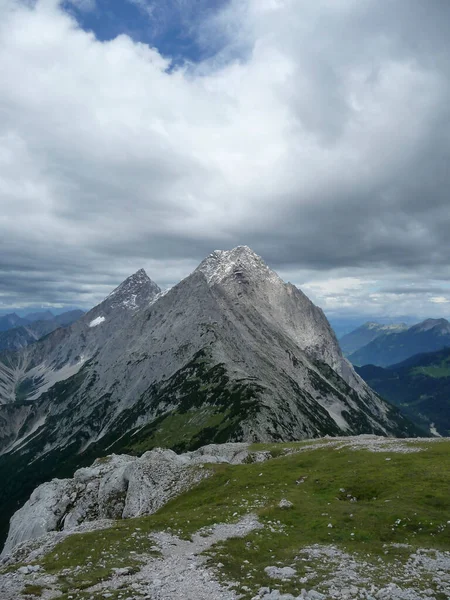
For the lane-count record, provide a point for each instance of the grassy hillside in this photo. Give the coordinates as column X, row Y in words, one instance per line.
column 419, row 386
column 350, row 506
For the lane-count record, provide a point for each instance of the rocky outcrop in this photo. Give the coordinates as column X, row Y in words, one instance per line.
column 118, row 487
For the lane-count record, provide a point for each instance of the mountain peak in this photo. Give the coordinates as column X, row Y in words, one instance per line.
column 221, row 264
column 139, row 273
column 11, row 320
column 133, row 292
column 371, row 325
column 384, row 328
column 432, row 324
column 45, row 315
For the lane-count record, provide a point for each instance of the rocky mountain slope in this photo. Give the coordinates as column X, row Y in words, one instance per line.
column 17, row 338
column 419, row 386
column 231, row 353
column 392, row 348
column 316, row 520
column 366, row 333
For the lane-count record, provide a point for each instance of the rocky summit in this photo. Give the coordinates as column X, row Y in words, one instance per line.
column 232, row 353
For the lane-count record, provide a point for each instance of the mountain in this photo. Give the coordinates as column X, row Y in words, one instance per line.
column 68, row 317
column 231, row 353
column 19, row 337
column 364, row 334
column 342, row 325
column 11, row 320
column 46, row 326
column 391, row 348
column 419, row 386
column 44, row 315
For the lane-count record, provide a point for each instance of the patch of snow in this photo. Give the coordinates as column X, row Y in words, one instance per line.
column 222, row 263
column 133, row 282
column 159, row 296
column 392, row 327
column 395, row 327
column 96, row 321
column 130, row 302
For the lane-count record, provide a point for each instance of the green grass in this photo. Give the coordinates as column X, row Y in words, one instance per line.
column 402, row 500
column 435, row 364
column 33, row 590
column 179, row 428
column 98, row 553
column 409, row 487
column 435, row 371
column 80, row 595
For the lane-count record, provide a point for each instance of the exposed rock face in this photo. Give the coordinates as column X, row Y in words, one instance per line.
column 117, row 487
column 63, row 353
column 231, row 353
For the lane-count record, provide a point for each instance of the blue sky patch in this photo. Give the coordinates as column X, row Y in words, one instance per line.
column 172, row 26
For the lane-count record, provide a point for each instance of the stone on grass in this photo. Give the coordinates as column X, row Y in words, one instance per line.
column 285, row 503
column 280, row 572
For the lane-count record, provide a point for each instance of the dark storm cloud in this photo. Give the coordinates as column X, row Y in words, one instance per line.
column 325, row 148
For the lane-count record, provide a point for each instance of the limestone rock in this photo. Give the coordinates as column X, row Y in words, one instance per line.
column 117, row 487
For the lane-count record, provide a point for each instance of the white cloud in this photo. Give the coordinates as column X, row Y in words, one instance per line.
column 306, row 147
column 337, row 285
column 439, row 300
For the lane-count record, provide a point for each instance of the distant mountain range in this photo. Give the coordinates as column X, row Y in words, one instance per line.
column 365, row 334
column 343, row 325
column 12, row 320
column 231, row 353
column 390, row 347
column 34, row 326
column 45, row 315
column 419, row 386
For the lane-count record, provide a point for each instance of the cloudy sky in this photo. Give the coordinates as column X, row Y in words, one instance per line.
column 147, row 133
